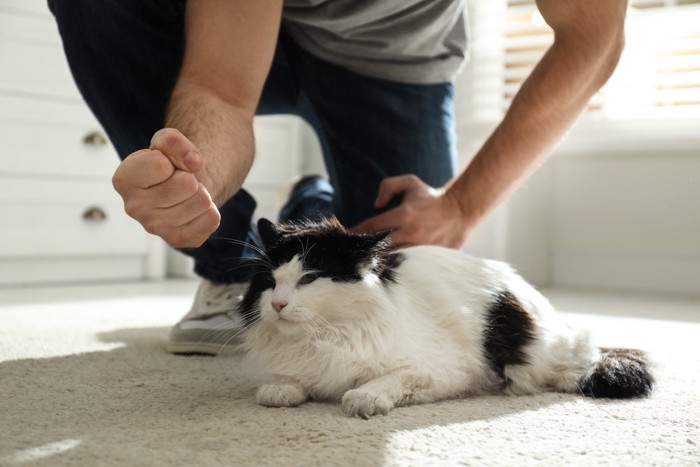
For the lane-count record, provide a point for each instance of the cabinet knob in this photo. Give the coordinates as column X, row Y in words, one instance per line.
column 95, row 138
column 94, row 214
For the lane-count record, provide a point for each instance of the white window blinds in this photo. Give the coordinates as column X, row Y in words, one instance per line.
column 658, row 75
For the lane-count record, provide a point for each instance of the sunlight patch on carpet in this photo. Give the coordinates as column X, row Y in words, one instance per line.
column 73, row 327
column 40, row 452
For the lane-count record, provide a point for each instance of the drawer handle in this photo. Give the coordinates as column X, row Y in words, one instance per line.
column 94, row 214
column 95, row 138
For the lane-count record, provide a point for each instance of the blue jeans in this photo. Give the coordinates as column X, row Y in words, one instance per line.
column 125, row 56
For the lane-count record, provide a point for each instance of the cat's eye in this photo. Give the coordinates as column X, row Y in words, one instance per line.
column 268, row 282
column 308, row 278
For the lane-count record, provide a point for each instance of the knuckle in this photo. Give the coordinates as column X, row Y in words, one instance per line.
column 215, row 219
column 161, row 164
column 133, row 208
column 180, row 239
column 173, row 141
column 202, row 200
column 153, row 227
column 161, row 136
column 176, row 240
column 403, row 214
column 170, row 138
column 211, row 220
column 413, row 180
column 119, row 181
column 187, row 183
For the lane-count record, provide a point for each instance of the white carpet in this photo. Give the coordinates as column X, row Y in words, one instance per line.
column 84, row 380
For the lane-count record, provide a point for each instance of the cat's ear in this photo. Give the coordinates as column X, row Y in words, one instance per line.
column 377, row 241
column 269, row 233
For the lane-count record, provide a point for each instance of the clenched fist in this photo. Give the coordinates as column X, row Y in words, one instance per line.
column 163, row 189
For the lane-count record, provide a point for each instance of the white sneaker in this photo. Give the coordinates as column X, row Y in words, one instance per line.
column 212, row 327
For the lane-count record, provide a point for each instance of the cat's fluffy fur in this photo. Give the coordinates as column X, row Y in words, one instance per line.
column 332, row 315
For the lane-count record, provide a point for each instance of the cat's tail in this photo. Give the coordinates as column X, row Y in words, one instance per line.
column 619, row 374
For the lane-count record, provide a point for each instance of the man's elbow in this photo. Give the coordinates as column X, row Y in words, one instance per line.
column 600, row 36
column 613, row 53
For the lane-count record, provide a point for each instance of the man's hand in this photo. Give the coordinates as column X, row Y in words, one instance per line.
column 163, row 189
column 426, row 215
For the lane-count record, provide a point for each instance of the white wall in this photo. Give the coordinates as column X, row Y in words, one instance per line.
column 627, row 219
column 605, row 212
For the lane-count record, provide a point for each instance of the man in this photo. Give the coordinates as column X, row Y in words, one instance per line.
column 176, row 85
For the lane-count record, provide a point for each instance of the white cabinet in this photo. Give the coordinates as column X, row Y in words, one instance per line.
column 60, row 219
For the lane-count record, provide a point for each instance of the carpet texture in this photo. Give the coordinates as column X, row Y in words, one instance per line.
column 89, row 383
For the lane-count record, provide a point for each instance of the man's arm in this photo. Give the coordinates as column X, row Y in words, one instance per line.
column 202, row 159
column 588, row 40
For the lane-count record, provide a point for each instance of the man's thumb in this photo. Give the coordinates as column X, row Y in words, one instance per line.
column 178, row 149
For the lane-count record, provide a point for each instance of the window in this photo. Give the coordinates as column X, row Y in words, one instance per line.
column 658, row 75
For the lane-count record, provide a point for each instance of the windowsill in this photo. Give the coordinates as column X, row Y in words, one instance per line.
column 592, row 137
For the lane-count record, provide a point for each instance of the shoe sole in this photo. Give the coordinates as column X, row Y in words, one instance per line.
column 201, row 348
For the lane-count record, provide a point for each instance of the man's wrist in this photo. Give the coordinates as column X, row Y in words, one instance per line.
column 222, row 133
column 469, row 217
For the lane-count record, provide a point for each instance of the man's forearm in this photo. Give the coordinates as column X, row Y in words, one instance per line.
column 542, row 111
column 222, row 133
column 229, row 50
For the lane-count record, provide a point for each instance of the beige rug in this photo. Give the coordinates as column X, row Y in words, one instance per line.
column 87, row 382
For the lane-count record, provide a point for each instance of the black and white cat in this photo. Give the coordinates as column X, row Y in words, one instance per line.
column 332, row 315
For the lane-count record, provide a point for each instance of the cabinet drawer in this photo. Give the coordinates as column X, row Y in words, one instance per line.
column 52, row 138
column 36, row 7
column 31, row 55
column 35, row 68
column 43, row 218
column 29, row 21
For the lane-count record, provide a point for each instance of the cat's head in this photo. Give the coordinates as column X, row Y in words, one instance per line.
column 315, row 274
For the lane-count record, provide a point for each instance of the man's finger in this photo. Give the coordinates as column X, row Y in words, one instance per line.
column 392, row 186
column 176, row 147
column 196, row 232
column 385, row 221
column 188, row 210
column 142, row 169
column 175, row 190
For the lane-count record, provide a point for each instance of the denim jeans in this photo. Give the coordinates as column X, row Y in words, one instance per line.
column 125, row 56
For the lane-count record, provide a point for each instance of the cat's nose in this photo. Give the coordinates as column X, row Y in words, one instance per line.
column 278, row 306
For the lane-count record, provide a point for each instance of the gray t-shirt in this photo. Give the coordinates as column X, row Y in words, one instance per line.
column 410, row 41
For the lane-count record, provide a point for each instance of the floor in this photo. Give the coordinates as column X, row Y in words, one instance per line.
column 85, row 373
column 637, row 305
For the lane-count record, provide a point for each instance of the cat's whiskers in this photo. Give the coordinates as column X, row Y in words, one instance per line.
column 309, row 338
column 311, row 343
column 250, row 327
column 340, row 343
column 246, row 260
column 263, row 256
column 222, row 329
column 305, row 251
column 324, row 336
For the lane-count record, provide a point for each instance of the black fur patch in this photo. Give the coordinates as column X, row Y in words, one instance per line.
column 261, row 281
column 325, row 247
column 620, row 374
column 508, row 329
column 387, row 269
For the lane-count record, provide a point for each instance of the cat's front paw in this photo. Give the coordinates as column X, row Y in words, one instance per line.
column 280, row 395
column 364, row 404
